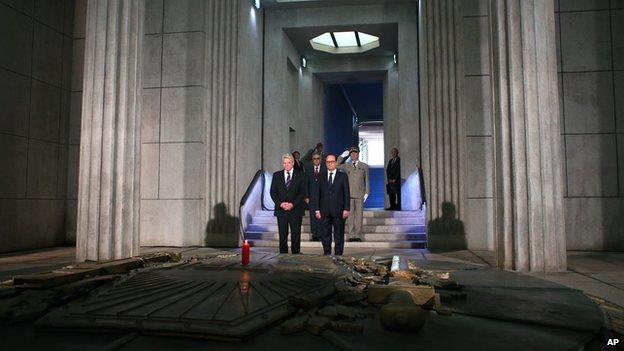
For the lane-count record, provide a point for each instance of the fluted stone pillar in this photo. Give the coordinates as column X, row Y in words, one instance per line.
column 108, row 188
column 529, row 218
column 221, row 122
column 443, row 127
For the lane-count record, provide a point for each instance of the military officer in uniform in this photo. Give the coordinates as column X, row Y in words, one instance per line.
column 359, row 188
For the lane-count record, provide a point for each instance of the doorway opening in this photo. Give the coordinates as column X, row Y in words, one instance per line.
column 353, row 116
column 371, row 143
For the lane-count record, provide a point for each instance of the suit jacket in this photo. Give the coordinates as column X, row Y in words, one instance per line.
column 311, row 180
column 331, row 199
column 294, row 194
column 358, row 178
column 298, row 166
column 393, row 171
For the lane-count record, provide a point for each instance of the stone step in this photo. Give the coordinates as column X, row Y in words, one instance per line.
column 347, row 245
column 367, row 220
column 397, row 229
column 374, row 214
column 367, row 237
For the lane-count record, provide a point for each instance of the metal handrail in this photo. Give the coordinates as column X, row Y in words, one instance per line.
column 259, row 174
column 423, row 195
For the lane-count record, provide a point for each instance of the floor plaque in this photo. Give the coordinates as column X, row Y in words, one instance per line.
column 212, row 298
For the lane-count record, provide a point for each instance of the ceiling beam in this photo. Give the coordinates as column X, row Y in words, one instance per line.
column 333, row 39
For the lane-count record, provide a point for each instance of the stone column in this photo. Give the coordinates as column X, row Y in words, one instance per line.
column 442, row 126
column 529, row 220
column 108, row 188
column 221, row 120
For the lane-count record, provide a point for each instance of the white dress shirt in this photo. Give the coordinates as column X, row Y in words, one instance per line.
column 333, row 175
column 286, row 175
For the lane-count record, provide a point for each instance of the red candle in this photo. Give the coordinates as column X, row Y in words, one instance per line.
column 246, row 253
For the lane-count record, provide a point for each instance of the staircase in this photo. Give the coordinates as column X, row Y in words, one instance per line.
column 381, row 229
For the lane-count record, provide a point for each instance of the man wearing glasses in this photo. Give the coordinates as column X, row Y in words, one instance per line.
column 318, row 148
column 330, row 203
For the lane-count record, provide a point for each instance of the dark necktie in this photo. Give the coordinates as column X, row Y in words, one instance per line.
column 331, row 178
column 287, row 179
column 316, row 173
column 354, row 165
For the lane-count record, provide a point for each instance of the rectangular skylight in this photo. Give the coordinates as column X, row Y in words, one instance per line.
column 345, row 39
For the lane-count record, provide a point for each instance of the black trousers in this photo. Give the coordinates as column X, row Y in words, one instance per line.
column 338, row 225
column 395, row 198
column 283, row 222
column 315, row 226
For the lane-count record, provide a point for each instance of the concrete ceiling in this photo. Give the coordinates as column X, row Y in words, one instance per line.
column 324, row 3
column 351, row 77
column 387, row 33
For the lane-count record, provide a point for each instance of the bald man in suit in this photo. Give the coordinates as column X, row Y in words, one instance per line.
column 330, row 203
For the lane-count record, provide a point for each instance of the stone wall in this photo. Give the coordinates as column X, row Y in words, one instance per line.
column 479, row 165
column 591, row 81
column 35, row 134
column 292, row 114
column 201, row 116
column 590, row 60
column 172, row 131
column 73, row 141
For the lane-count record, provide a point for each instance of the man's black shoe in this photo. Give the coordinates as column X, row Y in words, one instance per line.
column 355, row 239
column 316, row 239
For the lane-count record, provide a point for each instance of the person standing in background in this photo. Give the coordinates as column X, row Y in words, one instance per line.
column 313, row 175
column 307, row 158
column 298, row 164
column 393, row 174
column 359, row 187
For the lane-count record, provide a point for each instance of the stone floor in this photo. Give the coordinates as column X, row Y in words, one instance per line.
column 524, row 300
column 600, row 274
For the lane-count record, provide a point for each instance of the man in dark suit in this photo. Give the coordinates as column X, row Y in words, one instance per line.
column 330, row 203
column 298, row 163
column 288, row 189
column 313, row 175
column 393, row 174
column 307, row 158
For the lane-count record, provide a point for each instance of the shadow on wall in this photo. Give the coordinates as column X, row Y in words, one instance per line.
column 446, row 231
column 223, row 229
